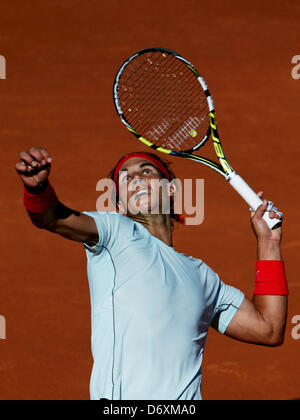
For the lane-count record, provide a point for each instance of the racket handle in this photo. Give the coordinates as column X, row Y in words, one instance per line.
column 251, row 198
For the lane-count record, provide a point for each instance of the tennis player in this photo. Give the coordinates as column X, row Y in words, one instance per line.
column 152, row 306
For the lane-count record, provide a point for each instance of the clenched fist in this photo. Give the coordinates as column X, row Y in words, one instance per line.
column 34, row 166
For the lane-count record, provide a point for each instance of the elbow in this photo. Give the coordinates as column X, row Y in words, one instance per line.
column 275, row 342
column 273, row 333
column 278, row 341
column 40, row 222
column 274, row 339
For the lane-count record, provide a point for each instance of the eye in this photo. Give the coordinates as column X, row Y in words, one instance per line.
column 125, row 178
column 147, row 171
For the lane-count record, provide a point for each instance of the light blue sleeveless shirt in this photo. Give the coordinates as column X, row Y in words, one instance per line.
column 151, row 310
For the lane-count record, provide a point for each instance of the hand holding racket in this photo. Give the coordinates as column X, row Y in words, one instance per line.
column 166, row 104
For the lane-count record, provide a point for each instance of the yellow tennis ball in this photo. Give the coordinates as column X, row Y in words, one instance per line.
column 193, row 133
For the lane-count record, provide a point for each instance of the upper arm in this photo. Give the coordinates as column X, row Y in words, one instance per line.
column 78, row 227
column 226, row 300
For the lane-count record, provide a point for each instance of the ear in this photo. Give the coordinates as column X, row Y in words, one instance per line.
column 121, row 208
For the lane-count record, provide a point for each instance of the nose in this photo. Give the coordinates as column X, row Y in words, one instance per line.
column 137, row 182
column 137, row 177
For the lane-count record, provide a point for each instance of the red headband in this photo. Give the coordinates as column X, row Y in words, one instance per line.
column 142, row 155
column 151, row 159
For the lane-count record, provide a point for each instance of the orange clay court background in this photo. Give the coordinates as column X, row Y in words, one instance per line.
column 62, row 57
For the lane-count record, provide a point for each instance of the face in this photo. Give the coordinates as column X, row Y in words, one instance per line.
column 137, row 194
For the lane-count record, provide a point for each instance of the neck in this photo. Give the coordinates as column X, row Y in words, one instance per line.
column 159, row 225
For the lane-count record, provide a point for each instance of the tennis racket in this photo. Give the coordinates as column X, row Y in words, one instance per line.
column 166, row 104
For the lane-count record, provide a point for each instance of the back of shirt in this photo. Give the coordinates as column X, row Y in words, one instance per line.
column 151, row 311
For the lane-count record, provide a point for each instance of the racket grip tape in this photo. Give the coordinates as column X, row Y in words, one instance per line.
column 251, row 198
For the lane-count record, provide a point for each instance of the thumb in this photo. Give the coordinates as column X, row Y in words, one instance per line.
column 261, row 209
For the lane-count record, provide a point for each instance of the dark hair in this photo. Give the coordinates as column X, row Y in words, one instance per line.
column 174, row 216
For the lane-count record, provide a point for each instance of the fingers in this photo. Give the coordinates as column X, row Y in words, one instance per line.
column 265, row 206
column 24, row 168
column 260, row 194
column 21, row 168
column 33, row 158
column 274, row 215
column 261, row 209
column 46, row 156
column 36, row 156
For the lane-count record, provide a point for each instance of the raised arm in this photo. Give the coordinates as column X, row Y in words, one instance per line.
column 263, row 320
column 34, row 168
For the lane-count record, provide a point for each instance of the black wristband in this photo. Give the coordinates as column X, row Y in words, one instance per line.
column 38, row 189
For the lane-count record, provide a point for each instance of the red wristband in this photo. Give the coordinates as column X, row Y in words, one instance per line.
column 271, row 278
column 38, row 203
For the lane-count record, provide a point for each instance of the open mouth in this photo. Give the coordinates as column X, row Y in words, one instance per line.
column 141, row 192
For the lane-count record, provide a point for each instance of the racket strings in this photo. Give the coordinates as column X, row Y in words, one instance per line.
column 175, row 130
column 136, row 65
column 153, row 86
column 163, row 101
column 166, row 126
column 150, row 87
column 169, row 96
column 169, row 100
column 138, row 83
column 132, row 71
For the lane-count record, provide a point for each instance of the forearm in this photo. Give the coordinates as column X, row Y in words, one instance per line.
column 60, row 219
column 43, row 206
column 262, row 321
column 268, row 250
column 272, row 311
column 272, row 308
column 49, row 219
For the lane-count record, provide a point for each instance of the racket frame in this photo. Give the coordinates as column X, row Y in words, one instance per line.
column 223, row 168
